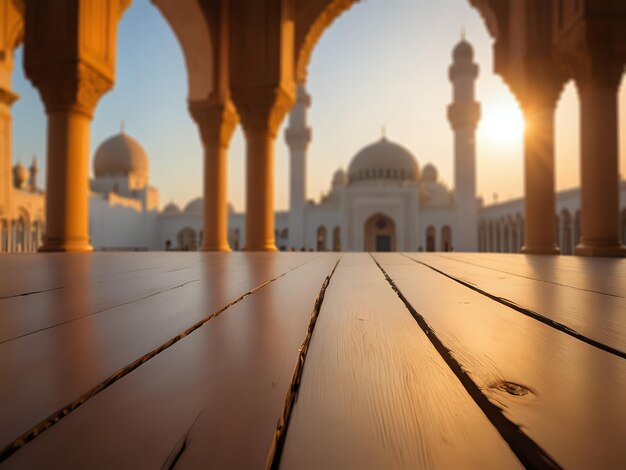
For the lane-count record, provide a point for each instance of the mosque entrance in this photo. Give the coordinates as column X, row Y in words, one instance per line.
column 380, row 233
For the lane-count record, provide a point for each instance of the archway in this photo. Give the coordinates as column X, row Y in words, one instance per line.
column 430, row 239
column 446, row 238
column 187, row 239
column 380, row 233
column 337, row 239
column 321, row 238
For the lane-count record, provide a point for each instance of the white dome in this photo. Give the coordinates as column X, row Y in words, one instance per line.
column 195, row 207
column 121, row 155
column 171, row 208
column 383, row 160
column 430, row 173
column 340, row 179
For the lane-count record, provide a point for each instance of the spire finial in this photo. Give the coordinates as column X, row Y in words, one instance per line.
column 463, row 33
column 122, row 126
column 383, row 132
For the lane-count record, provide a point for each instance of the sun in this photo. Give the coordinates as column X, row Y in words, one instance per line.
column 503, row 123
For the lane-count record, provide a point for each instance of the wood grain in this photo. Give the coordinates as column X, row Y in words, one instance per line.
column 210, row 400
column 43, row 372
column 376, row 394
column 601, row 318
column 566, row 395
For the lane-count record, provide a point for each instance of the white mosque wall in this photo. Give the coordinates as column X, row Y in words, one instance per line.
column 118, row 223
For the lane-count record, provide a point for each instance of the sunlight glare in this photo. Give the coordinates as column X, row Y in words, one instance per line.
column 503, row 123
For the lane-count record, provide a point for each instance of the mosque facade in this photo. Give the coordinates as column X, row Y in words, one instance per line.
column 383, row 200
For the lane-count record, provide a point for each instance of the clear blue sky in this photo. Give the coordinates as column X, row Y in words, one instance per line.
column 384, row 62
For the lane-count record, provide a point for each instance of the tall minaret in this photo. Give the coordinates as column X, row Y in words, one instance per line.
column 298, row 136
column 464, row 114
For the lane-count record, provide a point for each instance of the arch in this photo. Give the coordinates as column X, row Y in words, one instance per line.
column 446, row 238
column 187, row 240
column 498, row 228
column 506, row 240
column 431, row 234
column 566, row 233
column 320, row 238
column 380, row 233
column 337, row 238
column 189, row 25
column 312, row 19
column 4, row 236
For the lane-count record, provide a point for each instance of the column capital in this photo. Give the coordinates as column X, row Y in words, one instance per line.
column 70, row 86
column 216, row 120
column 597, row 68
column 263, row 107
column 8, row 97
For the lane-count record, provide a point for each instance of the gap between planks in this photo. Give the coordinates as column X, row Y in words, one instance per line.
column 529, row 313
column 57, row 416
column 527, row 451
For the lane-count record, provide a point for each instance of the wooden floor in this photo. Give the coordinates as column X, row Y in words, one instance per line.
column 312, row 361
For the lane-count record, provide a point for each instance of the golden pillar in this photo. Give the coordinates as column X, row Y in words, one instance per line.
column 216, row 122
column 71, row 71
column 539, row 172
column 597, row 89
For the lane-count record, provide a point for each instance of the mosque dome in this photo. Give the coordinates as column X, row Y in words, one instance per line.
column 121, row 155
column 20, row 176
column 383, row 160
column 195, row 207
column 171, row 209
column 463, row 51
column 430, row 173
column 340, row 179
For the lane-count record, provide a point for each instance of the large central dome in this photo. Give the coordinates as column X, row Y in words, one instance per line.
column 383, row 160
column 121, row 155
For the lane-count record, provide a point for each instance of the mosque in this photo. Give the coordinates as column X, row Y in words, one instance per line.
column 383, row 201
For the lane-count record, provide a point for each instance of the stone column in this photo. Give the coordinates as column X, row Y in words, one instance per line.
column 597, row 89
column 69, row 92
column 261, row 111
column 539, row 173
column 216, row 123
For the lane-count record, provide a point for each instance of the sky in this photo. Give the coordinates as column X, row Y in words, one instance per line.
column 384, row 63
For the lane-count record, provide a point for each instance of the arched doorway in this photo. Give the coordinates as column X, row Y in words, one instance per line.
column 337, row 239
column 446, row 238
column 321, row 238
column 380, row 233
column 187, row 240
column 430, row 238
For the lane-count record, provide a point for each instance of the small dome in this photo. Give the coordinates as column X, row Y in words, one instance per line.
column 430, row 173
column 121, row 155
column 463, row 51
column 20, row 176
column 383, row 160
column 340, row 179
column 171, row 209
column 195, row 207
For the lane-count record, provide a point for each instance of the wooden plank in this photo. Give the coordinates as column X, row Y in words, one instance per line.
column 596, row 317
column 28, row 273
column 45, row 371
column 602, row 275
column 25, row 314
column 566, row 395
column 218, row 391
column 376, row 394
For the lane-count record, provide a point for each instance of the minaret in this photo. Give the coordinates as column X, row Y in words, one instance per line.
column 298, row 136
column 34, row 171
column 464, row 114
